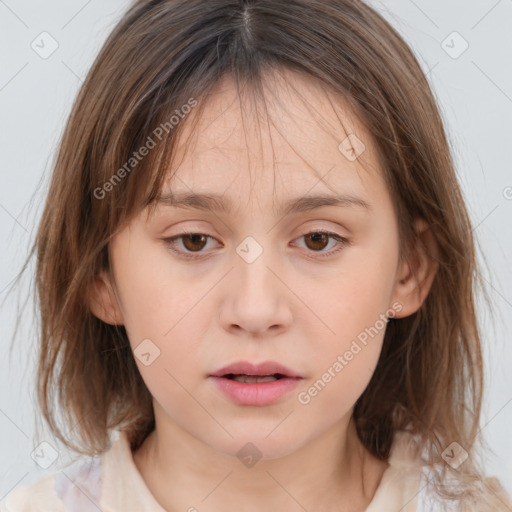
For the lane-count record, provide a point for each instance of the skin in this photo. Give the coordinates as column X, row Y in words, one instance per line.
column 291, row 305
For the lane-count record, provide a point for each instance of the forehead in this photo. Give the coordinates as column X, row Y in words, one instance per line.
column 298, row 138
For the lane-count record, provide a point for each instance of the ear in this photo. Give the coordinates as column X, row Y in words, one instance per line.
column 103, row 301
column 415, row 275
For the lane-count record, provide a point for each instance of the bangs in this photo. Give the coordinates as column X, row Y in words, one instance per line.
column 166, row 139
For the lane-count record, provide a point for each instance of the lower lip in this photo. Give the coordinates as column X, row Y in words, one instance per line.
column 256, row 393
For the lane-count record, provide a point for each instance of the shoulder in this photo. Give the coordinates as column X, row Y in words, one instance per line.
column 400, row 483
column 39, row 495
column 76, row 487
column 108, row 481
column 486, row 495
column 460, row 492
column 420, row 487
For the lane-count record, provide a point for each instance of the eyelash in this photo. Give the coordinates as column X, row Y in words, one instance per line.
column 169, row 242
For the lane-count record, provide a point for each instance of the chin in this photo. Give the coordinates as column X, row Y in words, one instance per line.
column 254, row 444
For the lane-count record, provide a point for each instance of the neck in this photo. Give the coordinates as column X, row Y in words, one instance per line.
column 329, row 472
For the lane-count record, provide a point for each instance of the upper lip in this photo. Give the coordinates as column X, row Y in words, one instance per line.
column 248, row 368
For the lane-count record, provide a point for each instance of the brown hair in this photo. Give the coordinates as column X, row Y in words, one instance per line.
column 169, row 53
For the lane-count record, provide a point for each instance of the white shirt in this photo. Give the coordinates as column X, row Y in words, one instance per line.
column 111, row 482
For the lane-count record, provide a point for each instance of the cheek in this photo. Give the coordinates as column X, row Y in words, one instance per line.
column 165, row 315
column 155, row 296
column 344, row 362
column 353, row 306
column 158, row 312
column 359, row 294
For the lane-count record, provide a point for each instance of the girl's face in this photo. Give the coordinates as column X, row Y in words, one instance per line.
column 258, row 282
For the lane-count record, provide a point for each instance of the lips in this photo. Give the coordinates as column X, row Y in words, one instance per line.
column 249, row 384
column 246, row 369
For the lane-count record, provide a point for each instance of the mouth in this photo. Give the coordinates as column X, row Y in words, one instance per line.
column 245, row 371
column 248, row 384
column 253, row 378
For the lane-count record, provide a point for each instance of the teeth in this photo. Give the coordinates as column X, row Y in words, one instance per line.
column 254, row 378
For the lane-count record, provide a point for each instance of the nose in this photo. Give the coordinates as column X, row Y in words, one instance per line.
column 256, row 300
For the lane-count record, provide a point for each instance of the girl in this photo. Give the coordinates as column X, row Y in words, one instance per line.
column 256, row 273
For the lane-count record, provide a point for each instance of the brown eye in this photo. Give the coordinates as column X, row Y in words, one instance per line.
column 188, row 245
column 194, row 242
column 318, row 241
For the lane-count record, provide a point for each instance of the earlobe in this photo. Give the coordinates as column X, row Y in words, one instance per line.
column 416, row 274
column 102, row 300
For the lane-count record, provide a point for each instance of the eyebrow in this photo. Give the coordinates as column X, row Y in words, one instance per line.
column 218, row 203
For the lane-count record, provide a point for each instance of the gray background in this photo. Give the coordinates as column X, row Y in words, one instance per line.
column 475, row 94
